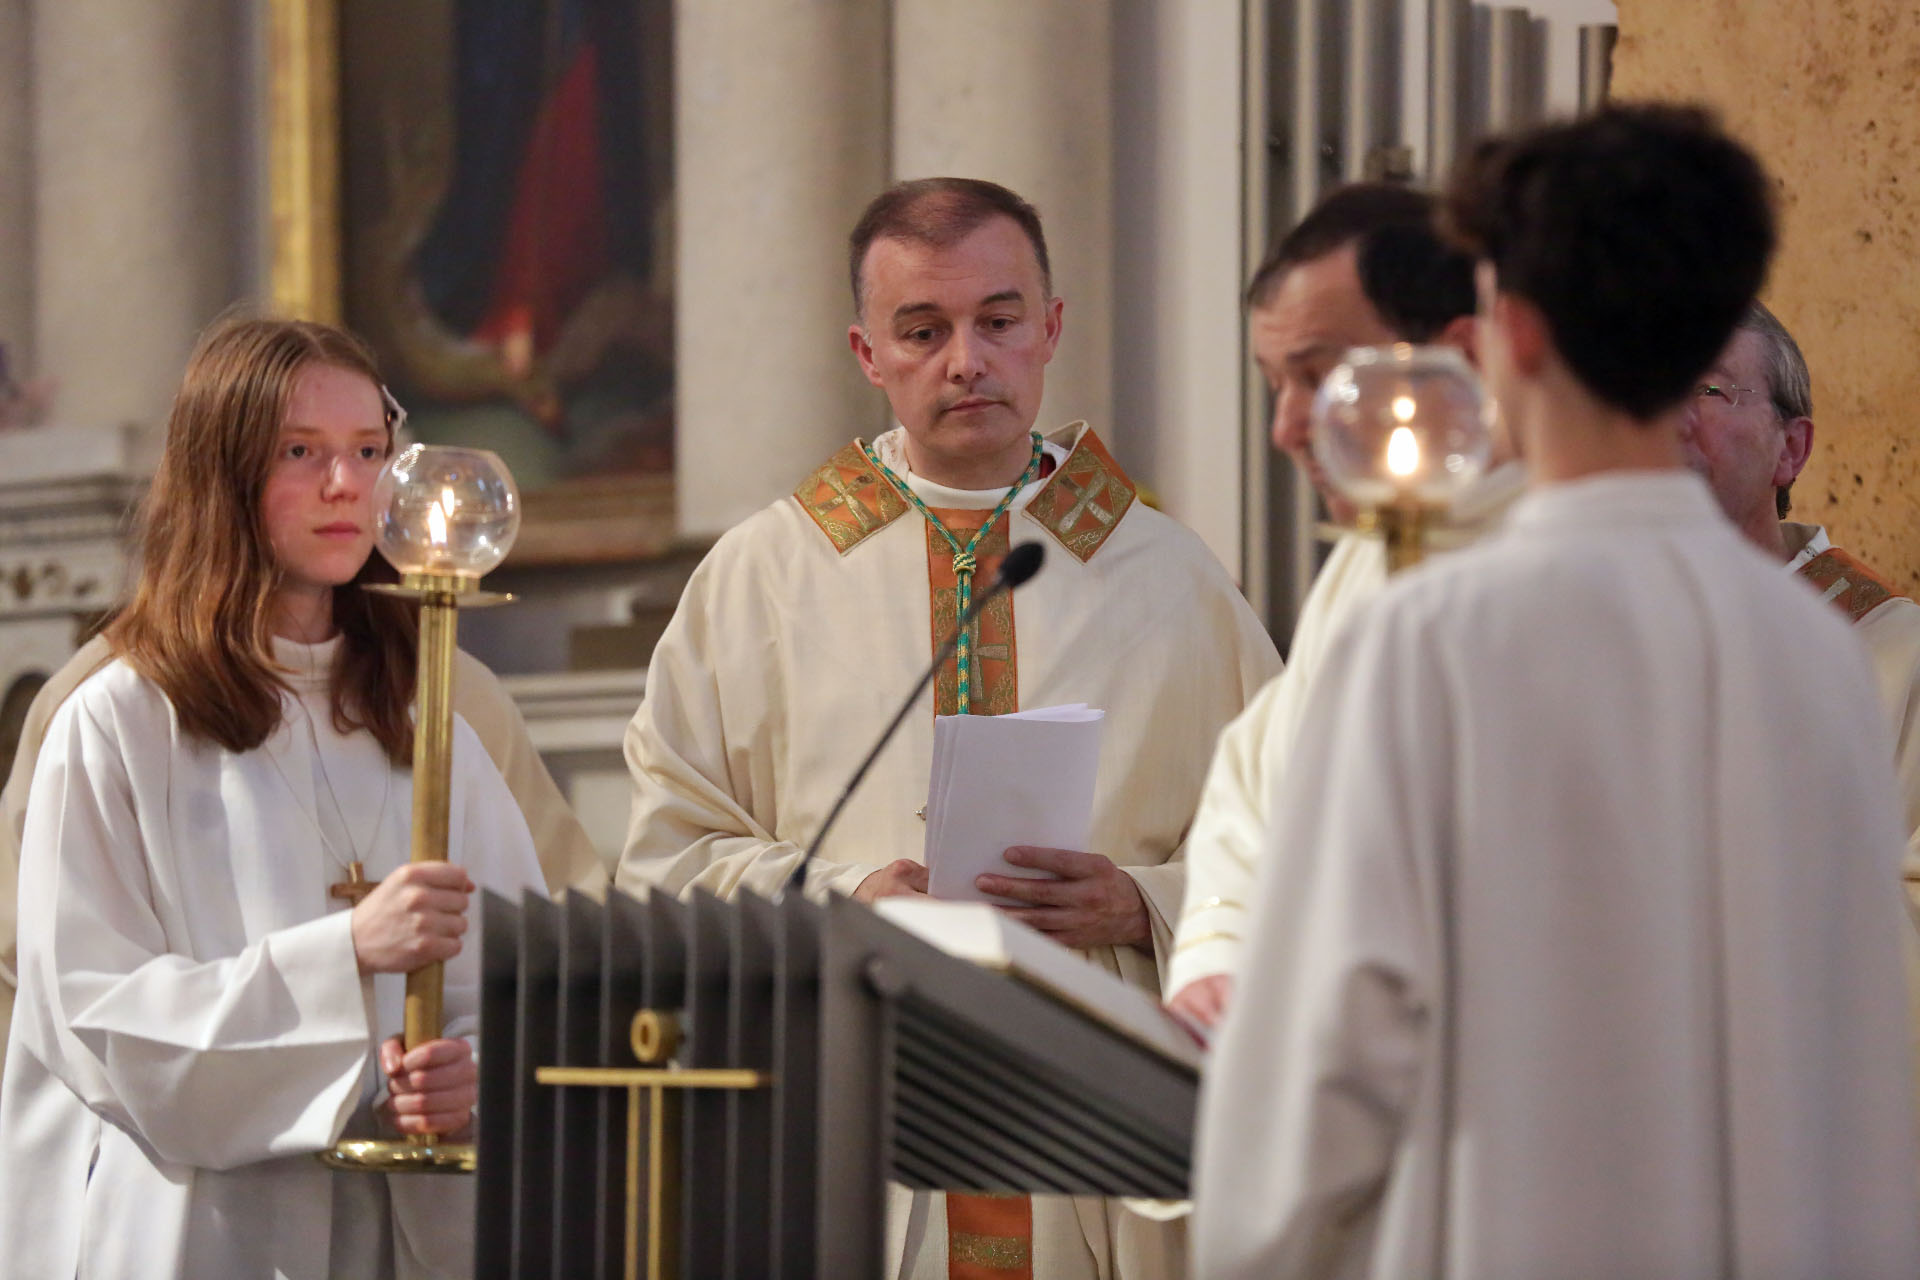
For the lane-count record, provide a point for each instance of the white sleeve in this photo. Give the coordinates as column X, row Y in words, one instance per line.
column 210, row 1063
column 1323, row 1044
column 1224, row 844
column 1230, row 829
column 700, row 750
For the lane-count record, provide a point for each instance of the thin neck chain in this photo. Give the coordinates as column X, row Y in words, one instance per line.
column 312, row 816
column 326, row 778
column 963, row 561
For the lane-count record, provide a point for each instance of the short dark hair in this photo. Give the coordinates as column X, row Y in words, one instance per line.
column 1641, row 232
column 1789, row 384
column 940, row 212
column 1416, row 281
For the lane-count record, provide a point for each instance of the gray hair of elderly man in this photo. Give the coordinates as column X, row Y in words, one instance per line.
column 1789, row 384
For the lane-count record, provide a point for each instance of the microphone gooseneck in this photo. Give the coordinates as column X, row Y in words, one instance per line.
column 1020, row 564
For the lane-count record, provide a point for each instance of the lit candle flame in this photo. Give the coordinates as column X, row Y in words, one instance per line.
column 1403, row 453
column 1403, row 409
column 436, row 526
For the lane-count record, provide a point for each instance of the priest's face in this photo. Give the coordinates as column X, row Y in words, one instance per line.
column 1735, row 438
column 959, row 339
column 316, row 504
column 1317, row 311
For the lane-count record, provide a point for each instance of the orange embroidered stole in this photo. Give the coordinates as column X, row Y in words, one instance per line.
column 989, row 1237
column 1847, row 583
column 996, row 687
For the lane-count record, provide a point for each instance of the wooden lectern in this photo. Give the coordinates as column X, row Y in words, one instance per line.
column 705, row 1089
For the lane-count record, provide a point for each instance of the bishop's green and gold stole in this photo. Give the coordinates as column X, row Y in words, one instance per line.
column 963, row 557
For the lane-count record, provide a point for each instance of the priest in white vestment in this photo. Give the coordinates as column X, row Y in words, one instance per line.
column 1574, row 951
column 1365, row 267
column 1749, row 432
column 806, row 625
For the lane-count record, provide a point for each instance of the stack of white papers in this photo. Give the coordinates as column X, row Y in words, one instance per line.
column 1000, row 781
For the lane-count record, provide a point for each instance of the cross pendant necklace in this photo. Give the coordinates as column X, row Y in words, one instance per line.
column 355, row 887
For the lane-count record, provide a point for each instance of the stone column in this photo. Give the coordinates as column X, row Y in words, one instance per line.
column 137, row 139
column 16, row 185
column 780, row 139
column 1022, row 94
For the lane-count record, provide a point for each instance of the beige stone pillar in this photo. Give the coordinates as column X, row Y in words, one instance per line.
column 16, row 185
column 1021, row 93
column 780, row 139
column 1827, row 96
column 137, row 125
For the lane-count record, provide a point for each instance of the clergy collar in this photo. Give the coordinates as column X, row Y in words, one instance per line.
column 1804, row 541
column 892, row 450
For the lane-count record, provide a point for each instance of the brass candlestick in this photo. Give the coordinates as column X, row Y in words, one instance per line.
column 445, row 516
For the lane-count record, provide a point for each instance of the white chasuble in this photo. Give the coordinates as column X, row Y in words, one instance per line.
column 1575, row 950
column 192, row 1024
column 805, row 626
column 1230, row 827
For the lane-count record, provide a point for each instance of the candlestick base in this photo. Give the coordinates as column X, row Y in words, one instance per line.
column 375, row 1155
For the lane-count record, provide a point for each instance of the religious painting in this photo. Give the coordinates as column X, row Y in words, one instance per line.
column 505, row 190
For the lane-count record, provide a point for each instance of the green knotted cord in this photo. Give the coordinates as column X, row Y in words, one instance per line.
column 963, row 563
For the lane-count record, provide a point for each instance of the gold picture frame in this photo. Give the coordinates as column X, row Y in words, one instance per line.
column 582, row 520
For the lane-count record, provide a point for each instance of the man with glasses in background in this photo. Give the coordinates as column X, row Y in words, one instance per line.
column 1748, row 432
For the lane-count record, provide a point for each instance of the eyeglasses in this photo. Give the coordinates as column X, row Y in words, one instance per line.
column 1729, row 393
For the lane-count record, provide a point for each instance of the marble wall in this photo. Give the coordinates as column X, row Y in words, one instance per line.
column 1828, row 93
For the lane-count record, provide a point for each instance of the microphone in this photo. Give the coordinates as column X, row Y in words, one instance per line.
column 1020, row 564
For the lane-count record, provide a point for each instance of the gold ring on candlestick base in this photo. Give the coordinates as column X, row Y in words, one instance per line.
column 440, row 588
column 1403, row 526
column 374, row 1155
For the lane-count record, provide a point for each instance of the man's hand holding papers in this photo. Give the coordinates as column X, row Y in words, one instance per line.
column 901, row 876
column 1092, row 903
column 1009, row 809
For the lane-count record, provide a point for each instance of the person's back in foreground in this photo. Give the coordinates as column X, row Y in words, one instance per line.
column 1579, row 953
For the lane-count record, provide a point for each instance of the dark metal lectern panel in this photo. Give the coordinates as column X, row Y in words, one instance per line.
column 576, row 1148
column 793, row 1169
column 499, row 987
column 703, row 1153
column 534, row 1105
column 621, row 996
column 877, row 1055
column 996, row 1086
column 750, row 1111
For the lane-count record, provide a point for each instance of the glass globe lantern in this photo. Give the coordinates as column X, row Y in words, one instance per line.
column 445, row 512
column 1402, row 431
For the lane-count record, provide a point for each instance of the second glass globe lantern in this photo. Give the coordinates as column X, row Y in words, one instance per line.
column 1402, row 431
column 444, row 517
